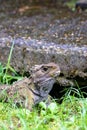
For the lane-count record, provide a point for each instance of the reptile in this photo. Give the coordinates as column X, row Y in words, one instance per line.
column 28, row 92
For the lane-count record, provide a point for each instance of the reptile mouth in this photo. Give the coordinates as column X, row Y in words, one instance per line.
column 44, row 81
column 57, row 74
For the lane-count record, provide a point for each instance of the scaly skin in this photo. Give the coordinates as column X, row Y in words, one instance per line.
column 30, row 91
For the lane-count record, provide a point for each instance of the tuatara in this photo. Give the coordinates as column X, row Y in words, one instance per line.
column 30, row 91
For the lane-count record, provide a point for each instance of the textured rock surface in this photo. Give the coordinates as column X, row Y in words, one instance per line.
column 26, row 53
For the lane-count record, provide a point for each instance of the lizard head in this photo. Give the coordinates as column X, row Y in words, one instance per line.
column 44, row 77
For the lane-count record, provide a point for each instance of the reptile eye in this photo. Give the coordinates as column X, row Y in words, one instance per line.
column 45, row 68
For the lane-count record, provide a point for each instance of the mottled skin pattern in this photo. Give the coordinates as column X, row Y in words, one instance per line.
column 30, row 91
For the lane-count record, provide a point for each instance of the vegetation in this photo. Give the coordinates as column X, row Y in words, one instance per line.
column 5, row 72
column 71, row 114
column 71, row 4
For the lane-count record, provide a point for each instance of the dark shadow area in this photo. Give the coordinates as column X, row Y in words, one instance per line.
column 59, row 92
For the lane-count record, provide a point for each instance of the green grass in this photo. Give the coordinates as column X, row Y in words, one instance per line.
column 71, row 4
column 70, row 114
column 7, row 73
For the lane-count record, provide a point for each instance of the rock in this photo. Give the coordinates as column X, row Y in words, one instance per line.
column 72, row 59
column 81, row 5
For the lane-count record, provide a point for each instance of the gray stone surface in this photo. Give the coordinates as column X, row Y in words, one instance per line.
column 26, row 53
